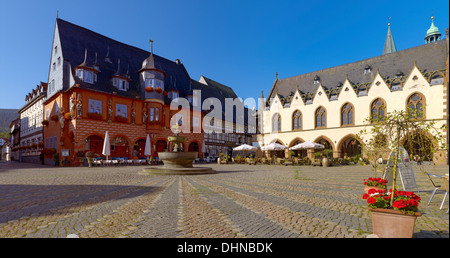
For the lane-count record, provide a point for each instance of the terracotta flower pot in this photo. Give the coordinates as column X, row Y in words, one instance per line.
column 367, row 188
column 389, row 223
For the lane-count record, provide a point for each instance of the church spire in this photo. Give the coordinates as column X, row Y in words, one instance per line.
column 389, row 45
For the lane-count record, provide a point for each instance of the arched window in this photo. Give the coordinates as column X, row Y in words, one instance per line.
column 378, row 110
column 415, row 105
column 297, row 120
column 321, row 116
column 276, row 123
column 347, row 114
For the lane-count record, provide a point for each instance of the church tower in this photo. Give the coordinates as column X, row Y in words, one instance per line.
column 433, row 33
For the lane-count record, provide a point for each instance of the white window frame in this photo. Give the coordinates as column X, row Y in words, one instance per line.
column 123, row 108
column 88, row 76
column 95, row 106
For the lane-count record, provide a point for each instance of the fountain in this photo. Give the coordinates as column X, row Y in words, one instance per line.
column 177, row 162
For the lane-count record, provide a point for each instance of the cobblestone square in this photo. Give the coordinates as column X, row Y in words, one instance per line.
column 239, row 201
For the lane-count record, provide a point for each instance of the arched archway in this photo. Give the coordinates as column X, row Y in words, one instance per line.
column 193, row 146
column 120, row 147
column 418, row 145
column 349, row 146
column 277, row 141
column 327, row 142
column 94, row 143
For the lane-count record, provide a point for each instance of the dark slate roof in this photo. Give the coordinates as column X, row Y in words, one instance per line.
column 75, row 40
column 429, row 57
column 225, row 91
column 219, row 91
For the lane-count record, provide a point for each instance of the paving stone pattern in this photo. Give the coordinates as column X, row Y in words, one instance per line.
column 240, row 201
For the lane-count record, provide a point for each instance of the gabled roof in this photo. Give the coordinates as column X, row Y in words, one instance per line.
column 429, row 57
column 75, row 40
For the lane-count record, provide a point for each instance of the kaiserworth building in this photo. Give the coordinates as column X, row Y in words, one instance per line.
column 330, row 106
column 97, row 84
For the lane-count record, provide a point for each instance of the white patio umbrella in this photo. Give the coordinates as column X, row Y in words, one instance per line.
column 307, row 145
column 148, row 149
column 106, row 146
column 273, row 147
column 245, row 147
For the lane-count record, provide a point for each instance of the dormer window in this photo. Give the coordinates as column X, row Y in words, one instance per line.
column 87, row 76
column 367, row 69
column 85, row 72
column 120, row 83
column 316, row 79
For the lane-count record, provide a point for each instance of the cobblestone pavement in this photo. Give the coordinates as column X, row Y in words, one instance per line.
column 240, row 201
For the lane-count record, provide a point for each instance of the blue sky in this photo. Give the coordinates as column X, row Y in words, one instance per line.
column 241, row 44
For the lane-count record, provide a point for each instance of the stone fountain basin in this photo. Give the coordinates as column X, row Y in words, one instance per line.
column 178, row 159
column 177, row 163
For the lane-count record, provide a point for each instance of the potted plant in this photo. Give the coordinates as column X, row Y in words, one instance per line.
column 45, row 122
column 223, row 158
column 81, row 155
column 90, row 157
column 396, row 220
column 325, row 154
column 158, row 90
column 149, row 89
column 374, row 183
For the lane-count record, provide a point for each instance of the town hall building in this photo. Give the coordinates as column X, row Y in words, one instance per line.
column 330, row 106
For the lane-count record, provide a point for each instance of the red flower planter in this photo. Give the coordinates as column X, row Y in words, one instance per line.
column 96, row 116
column 121, row 119
column 389, row 223
column 149, row 89
column 367, row 188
